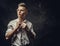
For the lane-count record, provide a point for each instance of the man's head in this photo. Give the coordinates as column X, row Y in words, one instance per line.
column 22, row 10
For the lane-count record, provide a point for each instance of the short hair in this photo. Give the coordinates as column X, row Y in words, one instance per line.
column 23, row 4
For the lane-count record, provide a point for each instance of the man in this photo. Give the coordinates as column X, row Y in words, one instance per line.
column 18, row 29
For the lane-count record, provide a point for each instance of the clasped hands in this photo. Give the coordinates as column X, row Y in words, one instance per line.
column 21, row 25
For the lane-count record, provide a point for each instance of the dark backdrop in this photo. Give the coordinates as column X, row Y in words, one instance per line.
column 41, row 14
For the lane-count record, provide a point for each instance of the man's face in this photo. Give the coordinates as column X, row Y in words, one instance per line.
column 21, row 12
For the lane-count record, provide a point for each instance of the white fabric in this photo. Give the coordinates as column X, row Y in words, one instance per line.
column 24, row 38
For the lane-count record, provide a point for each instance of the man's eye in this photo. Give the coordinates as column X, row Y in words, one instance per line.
column 22, row 10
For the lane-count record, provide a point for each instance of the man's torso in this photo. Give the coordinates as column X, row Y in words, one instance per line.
column 21, row 37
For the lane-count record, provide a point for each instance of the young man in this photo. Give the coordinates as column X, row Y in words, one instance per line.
column 18, row 29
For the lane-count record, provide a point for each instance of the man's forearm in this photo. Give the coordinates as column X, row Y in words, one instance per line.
column 10, row 33
column 32, row 31
column 34, row 34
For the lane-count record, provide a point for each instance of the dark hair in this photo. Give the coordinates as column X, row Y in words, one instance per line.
column 22, row 4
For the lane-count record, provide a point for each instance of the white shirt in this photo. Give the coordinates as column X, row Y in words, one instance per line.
column 21, row 36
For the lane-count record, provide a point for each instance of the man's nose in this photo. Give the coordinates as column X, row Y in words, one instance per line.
column 19, row 11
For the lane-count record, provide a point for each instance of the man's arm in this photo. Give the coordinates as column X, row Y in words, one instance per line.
column 11, row 31
column 32, row 31
column 29, row 28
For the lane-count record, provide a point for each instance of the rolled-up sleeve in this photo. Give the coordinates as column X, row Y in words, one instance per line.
column 9, row 27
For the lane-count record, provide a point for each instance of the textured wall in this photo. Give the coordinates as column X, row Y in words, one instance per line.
column 40, row 14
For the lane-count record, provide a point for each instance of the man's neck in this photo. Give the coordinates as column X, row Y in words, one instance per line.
column 21, row 20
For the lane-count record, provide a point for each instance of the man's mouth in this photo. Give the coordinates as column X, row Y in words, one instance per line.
column 19, row 14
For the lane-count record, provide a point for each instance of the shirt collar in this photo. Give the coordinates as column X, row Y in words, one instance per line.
column 23, row 21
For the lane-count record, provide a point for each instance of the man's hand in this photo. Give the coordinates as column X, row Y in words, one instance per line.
column 23, row 25
column 12, row 31
column 18, row 25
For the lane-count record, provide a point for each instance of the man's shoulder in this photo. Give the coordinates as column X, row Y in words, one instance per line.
column 29, row 22
column 12, row 21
